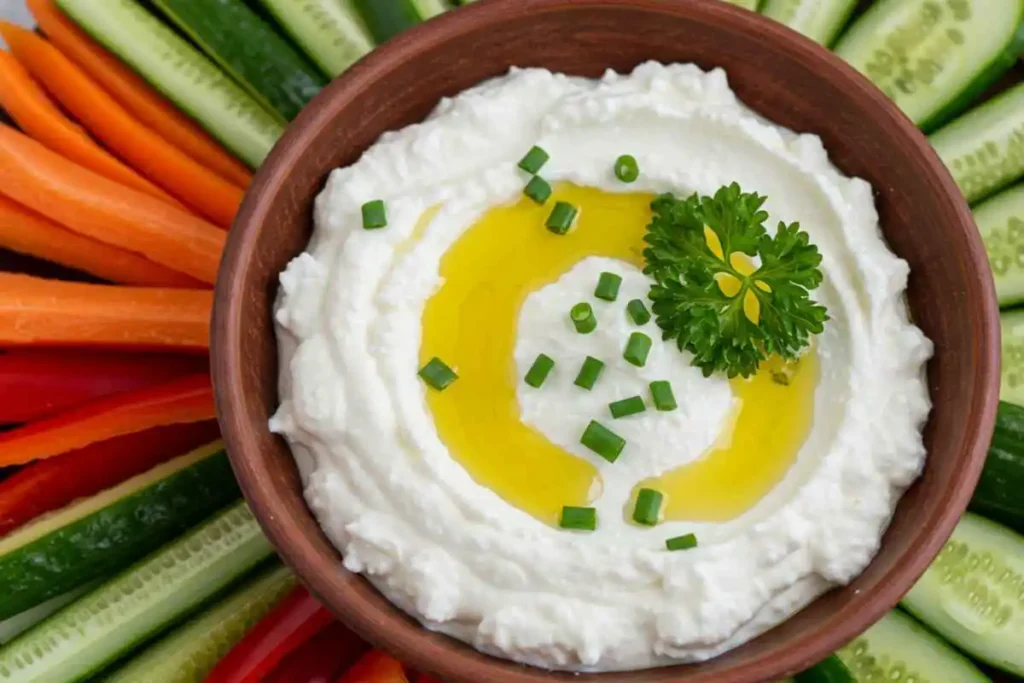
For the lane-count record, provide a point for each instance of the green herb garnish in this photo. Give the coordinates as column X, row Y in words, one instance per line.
column 662, row 396
column 534, row 160
column 583, row 318
column 437, row 374
column 539, row 371
column 626, row 168
column 685, row 542
column 578, row 518
column 626, row 407
column 638, row 312
column 374, row 215
column 603, row 441
column 537, row 189
column 648, row 507
column 589, row 373
column 608, row 286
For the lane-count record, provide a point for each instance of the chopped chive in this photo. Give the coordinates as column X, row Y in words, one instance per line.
column 627, row 406
column 437, row 374
column 638, row 312
column 534, row 160
column 681, row 542
column 374, row 215
column 648, row 507
column 662, row 396
column 637, row 349
column 537, row 189
column 603, row 441
column 581, row 519
column 583, row 318
column 589, row 373
column 561, row 218
column 539, row 371
column 626, row 168
column 608, row 286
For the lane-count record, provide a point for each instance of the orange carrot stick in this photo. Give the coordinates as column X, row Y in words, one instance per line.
column 26, row 232
column 185, row 400
column 96, row 207
column 40, row 312
column 147, row 152
column 33, row 111
column 135, row 95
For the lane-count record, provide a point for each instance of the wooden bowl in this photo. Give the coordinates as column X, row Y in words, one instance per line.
column 785, row 77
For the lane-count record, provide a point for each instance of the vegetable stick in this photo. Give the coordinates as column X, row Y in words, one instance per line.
column 185, row 400
column 147, row 152
column 375, row 667
column 26, row 232
column 135, row 95
column 322, row 658
column 104, row 210
column 32, row 110
column 35, row 311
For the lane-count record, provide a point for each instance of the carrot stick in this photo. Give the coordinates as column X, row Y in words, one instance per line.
column 185, row 400
column 96, row 207
column 135, row 95
column 40, row 312
column 26, row 232
column 33, row 111
column 147, row 152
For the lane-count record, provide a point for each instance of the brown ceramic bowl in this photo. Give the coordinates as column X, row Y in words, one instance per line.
column 786, row 78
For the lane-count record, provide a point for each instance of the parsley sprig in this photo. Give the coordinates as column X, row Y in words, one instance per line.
column 712, row 297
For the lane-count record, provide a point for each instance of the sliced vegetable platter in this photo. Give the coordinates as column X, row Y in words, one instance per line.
column 131, row 132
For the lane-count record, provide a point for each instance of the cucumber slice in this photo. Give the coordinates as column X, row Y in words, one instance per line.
column 180, row 72
column 430, row 8
column 330, row 31
column 19, row 623
column 387, row 19
column 1011, row 386
column 998, row 495
column 973, row 594
column 1001, row 223
column 104, row 533
column 819, row 20
column 984, row 148
column 124, row 612
column 192, row 650
column 897, row 648
column 934, row 58
column 250, row 50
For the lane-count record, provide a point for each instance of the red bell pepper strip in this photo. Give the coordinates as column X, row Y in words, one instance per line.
column 39, row 383
column 294, row 621
column 322, row 658
column 424, row 678
column 185, row 400
column 375, row 667
column 51, row 484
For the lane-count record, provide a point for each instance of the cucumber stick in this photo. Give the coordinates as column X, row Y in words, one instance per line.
column 122, row 613
column 250, row 50
column 19, row 623
column 972, row 594
column 430, row 8
column 387, row 19
column 897, row 648
column 1000, row 221
column 748, row 4
column 102, row 534
column 984, row 148
column 1011, row 386
column 819, row 20
column 998, row 494
column 934, row 58
column 182, row 73
column 331, row 32
column 830, row 670
column 192, row 650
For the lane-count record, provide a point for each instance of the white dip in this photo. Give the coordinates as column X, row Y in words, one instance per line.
column 452, row 553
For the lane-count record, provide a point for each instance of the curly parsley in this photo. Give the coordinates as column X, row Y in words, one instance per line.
column 711, row 295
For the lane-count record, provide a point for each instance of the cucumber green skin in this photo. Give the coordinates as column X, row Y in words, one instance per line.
column 330, row 31
column 831, row 670
column 250, row 50
column 1000, row 492
column 822, row 25
column 428, row 9
column 19, row 623
column 1011, row 386
column 971, row 594
column 387, row 19
column 191, row 651
column 112, row 538
column 1000, row 221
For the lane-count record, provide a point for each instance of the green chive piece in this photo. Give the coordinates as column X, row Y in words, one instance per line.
column 637, row 349
column 648, row 507
column 603, row 441
column 534, row 160
column 681, row 542
column 561, row 218
column 437, row 374
column 638, row 312
column 627, row 406
column 583, row 318
column 537, row 189
column 589, row 373
column 539, row 371
column 662, row 396
column 626, row 168
column 374, row 215
column 608, row 286
column 581, row 519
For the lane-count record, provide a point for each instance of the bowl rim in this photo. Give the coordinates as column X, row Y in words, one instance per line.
column 227, row 331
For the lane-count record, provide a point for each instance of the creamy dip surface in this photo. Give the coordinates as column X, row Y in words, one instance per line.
column 472, row 551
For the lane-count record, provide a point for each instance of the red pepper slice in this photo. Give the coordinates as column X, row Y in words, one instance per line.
column 322, row 658
column 375, row 667
column 37, row 383
column 51, row 484
column 424, row 678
